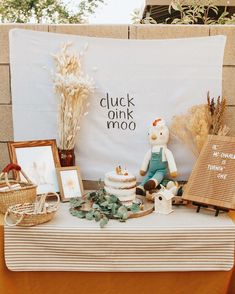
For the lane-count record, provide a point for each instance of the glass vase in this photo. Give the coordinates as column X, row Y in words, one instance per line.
column 67, row 157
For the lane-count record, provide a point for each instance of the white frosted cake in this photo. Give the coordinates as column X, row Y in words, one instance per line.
column 121, row 184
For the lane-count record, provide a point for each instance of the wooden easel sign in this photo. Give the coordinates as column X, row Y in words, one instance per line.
column 212, row 180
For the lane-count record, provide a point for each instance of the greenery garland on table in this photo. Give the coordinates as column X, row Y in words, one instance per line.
column 103, row 208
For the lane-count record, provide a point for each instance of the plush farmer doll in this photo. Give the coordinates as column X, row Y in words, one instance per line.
column 158, row 159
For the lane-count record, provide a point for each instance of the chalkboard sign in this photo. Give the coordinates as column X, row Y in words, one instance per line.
column 212, row 181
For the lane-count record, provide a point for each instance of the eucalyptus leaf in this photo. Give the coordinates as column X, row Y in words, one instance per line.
column 77, row 202
column 107, row 197
column 95, row 206
column 122, row 212
column 113, row 199
column 110, row 206
column 97, row 216
column 78, row 213
column 125, row 215
column 92, row 194
column 114, row 208
column 135, row 208
column 103, row 221
column 122, row 209
column 118, row 215
column 104, row 204
column 89, row 216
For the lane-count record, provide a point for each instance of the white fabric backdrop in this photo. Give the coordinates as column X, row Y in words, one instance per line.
column 164, row 78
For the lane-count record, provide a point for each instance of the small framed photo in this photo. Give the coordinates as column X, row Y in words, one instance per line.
column 70, row 182
column 39, row 160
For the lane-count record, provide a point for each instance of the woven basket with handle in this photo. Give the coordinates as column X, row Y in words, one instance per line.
column 32, row 214
column 25, row 193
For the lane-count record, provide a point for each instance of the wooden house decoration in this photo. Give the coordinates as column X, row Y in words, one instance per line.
column 163, row 200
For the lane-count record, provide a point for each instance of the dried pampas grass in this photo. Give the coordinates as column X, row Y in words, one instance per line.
column 217, row 109
column 73, row 89
column 198, row 122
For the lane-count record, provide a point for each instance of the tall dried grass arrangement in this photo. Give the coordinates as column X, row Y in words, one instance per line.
column 73, row 89
column 217, row 110
column 198, row 122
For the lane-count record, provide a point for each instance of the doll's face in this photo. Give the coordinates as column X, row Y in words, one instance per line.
column 158, row 135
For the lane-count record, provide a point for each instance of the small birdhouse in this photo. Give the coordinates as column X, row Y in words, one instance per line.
column 163, row 201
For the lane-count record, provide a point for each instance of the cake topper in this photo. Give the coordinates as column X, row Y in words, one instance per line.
column 118, row 170
column 121, row 172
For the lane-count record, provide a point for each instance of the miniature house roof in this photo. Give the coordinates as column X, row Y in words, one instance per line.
column 158, row 9
column 165, row 193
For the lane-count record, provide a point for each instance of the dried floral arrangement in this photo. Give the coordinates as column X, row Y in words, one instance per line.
column 199, row 121
column 101, row 208
column 73, row 88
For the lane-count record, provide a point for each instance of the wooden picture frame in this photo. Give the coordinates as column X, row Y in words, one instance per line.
column 70, row 182
column 39, row 160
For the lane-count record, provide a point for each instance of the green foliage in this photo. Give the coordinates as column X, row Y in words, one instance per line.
column 136, row 16
column 45, row 11
column 197, row 12
column 103, row 221
column 135, row 208
column 103, row 208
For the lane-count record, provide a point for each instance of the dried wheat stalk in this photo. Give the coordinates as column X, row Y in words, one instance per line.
column 73, row 89
column 199, row 121
column 217, row 110
column 193, row 127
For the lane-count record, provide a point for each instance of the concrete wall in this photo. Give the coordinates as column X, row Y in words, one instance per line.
column 114, row 31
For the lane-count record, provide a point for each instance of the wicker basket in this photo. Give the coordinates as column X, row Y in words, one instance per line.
column 27, row 215
column 26, row 193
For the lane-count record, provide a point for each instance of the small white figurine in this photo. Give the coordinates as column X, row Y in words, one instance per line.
column 158, row 159
column 163, row 198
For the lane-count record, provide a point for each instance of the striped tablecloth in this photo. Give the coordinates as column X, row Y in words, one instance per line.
column 181, row 241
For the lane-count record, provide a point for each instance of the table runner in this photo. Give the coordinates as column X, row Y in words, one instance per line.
column 181, row 241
